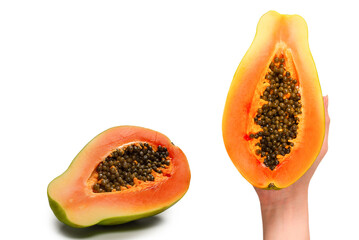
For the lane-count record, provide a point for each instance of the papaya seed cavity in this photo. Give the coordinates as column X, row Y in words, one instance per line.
column 138, row 161
column 278, row 116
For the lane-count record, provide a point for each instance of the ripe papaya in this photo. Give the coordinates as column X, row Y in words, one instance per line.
column 123, row 174
column 273, row 122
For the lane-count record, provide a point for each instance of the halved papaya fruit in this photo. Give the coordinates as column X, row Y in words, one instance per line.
column 273, row 122
column 123, row 174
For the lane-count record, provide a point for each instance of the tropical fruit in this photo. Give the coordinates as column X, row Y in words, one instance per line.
column 273, row 121
column 123, row 174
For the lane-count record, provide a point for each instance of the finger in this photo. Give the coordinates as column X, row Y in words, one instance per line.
column 327, row 118
column 324, row 149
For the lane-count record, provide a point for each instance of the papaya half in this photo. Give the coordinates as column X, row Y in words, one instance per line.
column 273, row 122
column 123, row 174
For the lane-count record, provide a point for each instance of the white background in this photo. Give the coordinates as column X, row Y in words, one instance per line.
column 72, row 69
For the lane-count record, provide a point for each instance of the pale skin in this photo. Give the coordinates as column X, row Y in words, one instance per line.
column 285, row 211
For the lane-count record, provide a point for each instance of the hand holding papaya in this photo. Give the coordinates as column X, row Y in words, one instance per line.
column 285, row 211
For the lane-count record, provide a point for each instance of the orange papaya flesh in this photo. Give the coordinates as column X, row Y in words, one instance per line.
column 284, row 37
column 76, row 201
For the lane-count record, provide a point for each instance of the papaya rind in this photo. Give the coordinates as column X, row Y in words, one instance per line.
column 60, row 214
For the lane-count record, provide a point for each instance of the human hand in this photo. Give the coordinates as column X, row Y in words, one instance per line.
column 273, row 196
column 285, row 211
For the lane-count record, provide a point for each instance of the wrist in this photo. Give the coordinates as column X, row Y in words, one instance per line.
column 284, row 198
column 285, row 216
